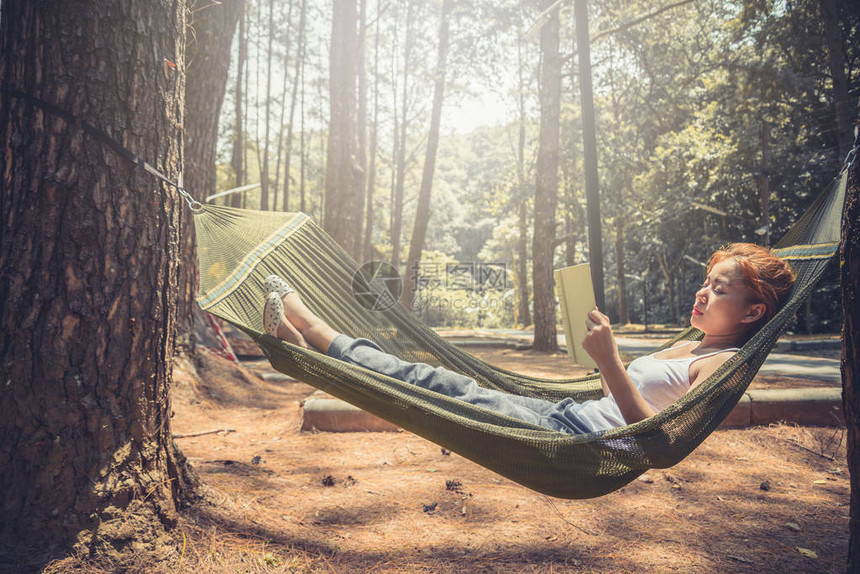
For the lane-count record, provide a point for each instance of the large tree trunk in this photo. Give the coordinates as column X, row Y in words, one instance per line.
column 343, row 200
column 206, row 81
column 89, row 248
column 546, row 187
column 849, row 264
column 422, row 214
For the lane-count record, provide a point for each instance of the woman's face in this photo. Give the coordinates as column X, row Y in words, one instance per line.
column 723, row 305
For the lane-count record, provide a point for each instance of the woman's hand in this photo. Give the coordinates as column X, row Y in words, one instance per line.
column 599, row 341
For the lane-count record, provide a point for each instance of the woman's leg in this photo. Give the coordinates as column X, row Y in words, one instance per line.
column 307, row 325
column 365, row 353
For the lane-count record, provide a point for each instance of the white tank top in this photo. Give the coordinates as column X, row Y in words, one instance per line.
column 661, row 382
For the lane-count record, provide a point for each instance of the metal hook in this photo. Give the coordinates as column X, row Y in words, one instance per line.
column 194, row 205
column 852, row 155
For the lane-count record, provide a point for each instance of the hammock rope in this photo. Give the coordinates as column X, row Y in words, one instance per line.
column 239, row 248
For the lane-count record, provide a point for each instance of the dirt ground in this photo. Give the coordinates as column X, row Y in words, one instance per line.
column 756, row 500
column 771, row 499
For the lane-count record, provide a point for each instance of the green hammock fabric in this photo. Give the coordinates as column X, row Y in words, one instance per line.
column 239, row 248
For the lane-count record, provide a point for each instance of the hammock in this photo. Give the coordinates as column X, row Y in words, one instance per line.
column 239, row 248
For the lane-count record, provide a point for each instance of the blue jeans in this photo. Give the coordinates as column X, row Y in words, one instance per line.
column 367, row 354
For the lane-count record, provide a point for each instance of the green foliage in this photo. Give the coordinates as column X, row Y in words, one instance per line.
column 700, row 104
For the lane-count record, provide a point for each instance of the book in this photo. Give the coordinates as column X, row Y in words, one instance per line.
column 576, row 297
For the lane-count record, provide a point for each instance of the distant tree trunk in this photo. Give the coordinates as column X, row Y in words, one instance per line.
column 523, row 295
column 546, row 186
column 238, row 131
column 764, row 191
column 849, row 265
column 343, row 205
column 668, row 270
column 287, row 46
column 836, row 60
column 589, row 149
column 264, row 176
column 374, row 143
column 255, row 31
column 300, row 57
column 89, row 247
column 361, row 122
column 400, row 144
column 623, row 309
column 246, row 104
column 302, row 148
column 206, row 81
column 569, row 239
column 524, row 299
column 568, row 211
column 422, row 214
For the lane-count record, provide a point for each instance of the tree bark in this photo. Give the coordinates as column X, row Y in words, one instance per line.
column 206, row 81
column 422, row 213
column 849, row 265
column 89, row 248
column 343, row 201
column 546, row 186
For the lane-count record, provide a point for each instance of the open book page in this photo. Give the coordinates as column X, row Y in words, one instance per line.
column 576, row 296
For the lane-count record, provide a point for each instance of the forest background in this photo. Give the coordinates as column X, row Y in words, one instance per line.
column 716, row 122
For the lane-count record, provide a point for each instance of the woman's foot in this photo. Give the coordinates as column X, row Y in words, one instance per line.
column 286, row 317
column 295, row 310
column 300, row 322
column 274, row 283
column 314, row 330
column 277, row 325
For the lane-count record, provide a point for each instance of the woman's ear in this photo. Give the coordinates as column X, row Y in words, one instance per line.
column 755, row 312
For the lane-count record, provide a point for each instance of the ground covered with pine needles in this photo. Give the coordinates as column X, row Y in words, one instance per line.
column 766, row 499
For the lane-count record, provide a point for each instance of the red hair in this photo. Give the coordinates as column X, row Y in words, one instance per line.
column 767, row 277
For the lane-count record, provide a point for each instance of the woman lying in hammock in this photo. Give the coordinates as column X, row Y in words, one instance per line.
column 743, row 290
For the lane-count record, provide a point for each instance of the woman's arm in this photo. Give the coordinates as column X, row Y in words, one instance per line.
column 600, row 343
column 605, row 385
